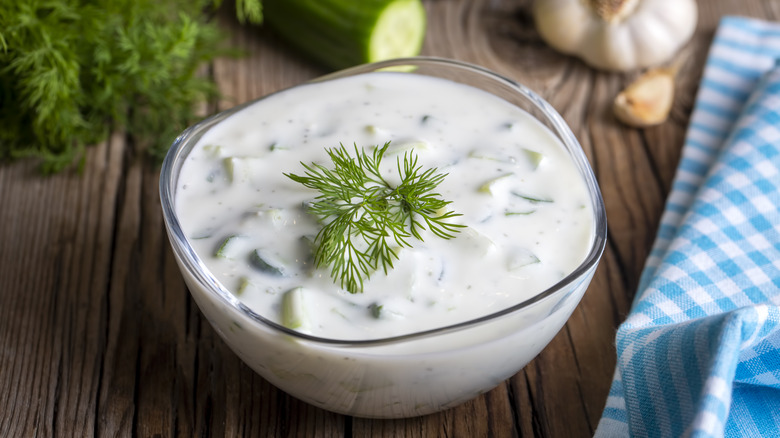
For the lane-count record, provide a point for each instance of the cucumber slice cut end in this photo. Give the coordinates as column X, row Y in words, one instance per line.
column 399, row 31
column 293, row 309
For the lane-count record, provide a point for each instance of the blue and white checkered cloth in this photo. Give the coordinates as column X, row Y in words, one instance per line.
column 699, row 354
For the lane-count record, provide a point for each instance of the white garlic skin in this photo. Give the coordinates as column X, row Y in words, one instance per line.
column 639, row 33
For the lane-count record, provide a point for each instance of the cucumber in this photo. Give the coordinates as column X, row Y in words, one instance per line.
column 521, row 258
column 293, row 310
column 261, row 262
column 228, row 249
column 343, row 33
column 406, row 146
column 241, row 169
column 534, row 158
column 244, row 284
column 474, row 242
column 488, row 186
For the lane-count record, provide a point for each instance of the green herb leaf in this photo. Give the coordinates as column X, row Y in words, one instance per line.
column 72, row 71
column 365, row 218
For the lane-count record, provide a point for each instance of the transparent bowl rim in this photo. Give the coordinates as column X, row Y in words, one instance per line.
column 184, row 143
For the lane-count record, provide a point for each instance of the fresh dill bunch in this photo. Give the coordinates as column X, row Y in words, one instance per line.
column 365, row 217
column 73, row 70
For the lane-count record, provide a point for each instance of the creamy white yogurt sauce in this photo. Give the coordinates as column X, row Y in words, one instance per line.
column 528, row 214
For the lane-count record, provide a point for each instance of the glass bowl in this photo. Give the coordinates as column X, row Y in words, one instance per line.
column 402, row 376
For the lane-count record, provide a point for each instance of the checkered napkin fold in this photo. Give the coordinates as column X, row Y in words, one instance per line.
column 699, row 354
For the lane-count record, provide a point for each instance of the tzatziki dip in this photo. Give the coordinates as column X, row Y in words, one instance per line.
column 524, row 206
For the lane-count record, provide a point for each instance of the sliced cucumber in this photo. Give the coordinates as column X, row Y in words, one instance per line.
column 278, row 217
column 244, row 284
column 343, row 33
column 240, row 169
column 214, row 150
column 521, row 258
column 474, row 242
column 489, row 186
column 399, row 147
column 534, row 158
column 230, row 168
column 264, row 264
column 228, row 249
column 375, row 130
column 293, row 309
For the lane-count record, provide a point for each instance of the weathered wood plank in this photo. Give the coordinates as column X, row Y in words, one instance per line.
column 54, row 265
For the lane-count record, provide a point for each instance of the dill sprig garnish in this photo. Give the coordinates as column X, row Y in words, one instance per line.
column 366, row 219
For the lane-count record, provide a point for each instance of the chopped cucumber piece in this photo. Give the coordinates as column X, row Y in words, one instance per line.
column 343, row 33
column 230, row 168
column 398, row 31
column 474, row 242
column 403, row 146
column 277, row 217
column 534, row 158
column 520, row 258
column 240, row 169
column 244, row 284
column 265, row 264
column 229, row 248
column 532, row 199
column 373, row 129
column 293, row 309
column 214, row 150
column 489, row 186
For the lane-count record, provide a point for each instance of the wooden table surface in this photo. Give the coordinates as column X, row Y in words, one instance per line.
column 98, row 334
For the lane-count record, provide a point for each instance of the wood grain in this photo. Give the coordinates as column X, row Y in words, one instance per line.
column 99, row 337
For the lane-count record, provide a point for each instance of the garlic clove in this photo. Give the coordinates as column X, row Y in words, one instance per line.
column 648, row 100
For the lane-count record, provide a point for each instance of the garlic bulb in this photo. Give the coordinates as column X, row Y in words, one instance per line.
column 617, row 34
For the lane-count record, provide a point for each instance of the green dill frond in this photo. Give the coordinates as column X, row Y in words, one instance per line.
column 249, row 11
column 364, row 217
column 72, row 70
